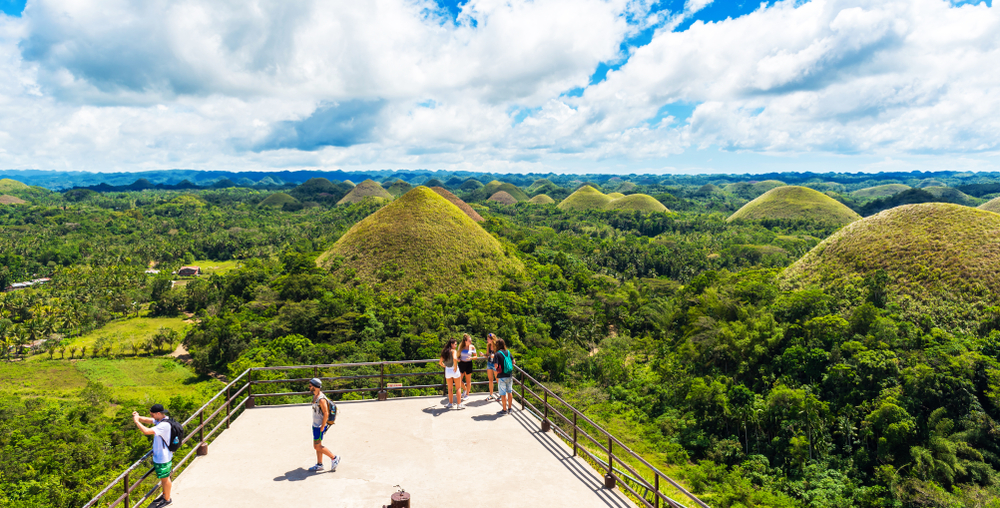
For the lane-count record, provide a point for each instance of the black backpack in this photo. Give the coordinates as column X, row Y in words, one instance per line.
column 176, row 434
column 332, row 414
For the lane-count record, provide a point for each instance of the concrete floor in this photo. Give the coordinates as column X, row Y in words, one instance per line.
column 444, row 458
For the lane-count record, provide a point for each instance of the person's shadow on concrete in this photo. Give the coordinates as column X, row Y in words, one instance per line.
column 295, row 475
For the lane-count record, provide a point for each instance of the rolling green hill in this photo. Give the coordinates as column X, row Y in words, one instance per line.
column 585, row 198
column 7, row 185
column 880, row 191
column 542, row 199
column 615, row 195
column 637, row 202
column 950, row 195
column 992, row 205
column 496, row 186
column 398, row 188
column 752, row 190
column 503, row 198
column 462, row 205
column 940, row 259
column 421, row 240
column 793, row 202
column 278, row 199
column 364, row 190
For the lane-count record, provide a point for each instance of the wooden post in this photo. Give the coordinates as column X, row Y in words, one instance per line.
column 522, row 393
column 574, row 433
column 382, row 394
column 545, row 402
column 656, row 488
column 127, row 503
column 609, row 479
column 228, row 408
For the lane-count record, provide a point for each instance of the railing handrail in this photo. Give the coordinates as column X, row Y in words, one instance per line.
column 382, row 388
column 611, row 436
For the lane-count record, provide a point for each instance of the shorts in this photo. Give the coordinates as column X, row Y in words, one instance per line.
column 491, row 366
column 318, row 433
column 465, row 367
column 452, row 373
column 163, row 470
column 505, row 385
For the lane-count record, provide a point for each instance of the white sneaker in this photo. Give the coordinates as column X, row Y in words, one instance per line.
column 461, row 406
column 465, row 395
column 336, row 462
column 449, row 406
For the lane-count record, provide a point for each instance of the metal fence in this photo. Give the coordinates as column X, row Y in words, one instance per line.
column 260, row 385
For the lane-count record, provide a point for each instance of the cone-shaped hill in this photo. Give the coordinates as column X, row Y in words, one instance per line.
column 585, row 198
column 11, row 200
column 462, row 205
column 6, row 184
column 421, row 240
column 504, row 198
column 615, row 195
column 793, row 202
column 992, row 205
column 364, row 190
column 880, row 191
column 542, row 199
column 637, row 202
column 950, row 195
column 278, row 199
column 496, row 186
column 940, row 259
column 398, row 188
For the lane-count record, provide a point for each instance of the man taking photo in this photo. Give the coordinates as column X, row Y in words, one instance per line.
column 162, row 456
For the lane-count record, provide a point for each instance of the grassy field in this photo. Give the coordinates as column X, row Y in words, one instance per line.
column 793, row 202
column 126, row 331
column 140, row 379
column 209, row 267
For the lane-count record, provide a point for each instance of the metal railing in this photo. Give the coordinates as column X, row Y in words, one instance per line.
column 259, row 389
column 617, row 468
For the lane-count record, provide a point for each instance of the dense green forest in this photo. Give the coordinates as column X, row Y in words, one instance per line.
column 681, row 331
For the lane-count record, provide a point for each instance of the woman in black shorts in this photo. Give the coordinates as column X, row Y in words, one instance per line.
column 466, row 353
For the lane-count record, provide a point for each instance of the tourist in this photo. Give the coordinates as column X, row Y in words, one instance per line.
column 452, row 376
column 162, row 456
column 491, row 373
column 505, row 376
column 467, row 353
column 320, row 424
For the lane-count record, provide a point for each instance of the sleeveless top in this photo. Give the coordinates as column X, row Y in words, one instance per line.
column 466, row 355
column 318, row 411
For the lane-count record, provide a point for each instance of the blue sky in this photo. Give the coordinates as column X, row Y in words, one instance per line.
column 520, row 85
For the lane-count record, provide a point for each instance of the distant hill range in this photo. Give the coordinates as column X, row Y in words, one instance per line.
column 974, row 184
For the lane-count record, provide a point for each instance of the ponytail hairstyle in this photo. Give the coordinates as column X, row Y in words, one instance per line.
column 448, row 348
column 501, row 346
column 465, row 338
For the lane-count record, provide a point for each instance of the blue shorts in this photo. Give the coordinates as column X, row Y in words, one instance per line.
column 490, row 366
column 318, row 433
column 505, row 385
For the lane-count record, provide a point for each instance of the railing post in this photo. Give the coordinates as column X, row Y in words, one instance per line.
column 228, row 408
column 522, row 393
column 382, row 395
column 574, row 433
column 250, row 402
column 609, row 479
column 128, row 504
column 202, row 447
column 545, row 402
column 656, row 490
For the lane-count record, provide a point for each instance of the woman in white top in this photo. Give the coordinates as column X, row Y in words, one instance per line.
column 466, row 353
column 452, row 377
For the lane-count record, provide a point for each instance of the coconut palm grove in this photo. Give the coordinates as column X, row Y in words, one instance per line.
column 791, row 340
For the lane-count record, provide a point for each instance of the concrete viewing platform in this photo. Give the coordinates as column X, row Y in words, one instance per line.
column 443, row 458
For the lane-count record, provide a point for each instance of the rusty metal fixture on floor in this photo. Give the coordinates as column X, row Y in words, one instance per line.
column 250, row 403
column 609, row 481
column 546, row 426
column 382, row 395
column 202, row 449
column 400, row 499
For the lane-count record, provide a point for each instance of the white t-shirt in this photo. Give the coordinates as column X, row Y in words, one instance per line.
column 161, row 436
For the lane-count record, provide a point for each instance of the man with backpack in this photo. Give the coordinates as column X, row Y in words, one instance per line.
column 324, row 414
column 167, row 436
column 505, row 375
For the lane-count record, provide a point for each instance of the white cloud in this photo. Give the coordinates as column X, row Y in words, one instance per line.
column 130, row 84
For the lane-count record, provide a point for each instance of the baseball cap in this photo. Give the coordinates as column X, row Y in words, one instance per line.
column 157, row 408
column 316, row 382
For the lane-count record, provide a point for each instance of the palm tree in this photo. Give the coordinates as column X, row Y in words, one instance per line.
column 147, row 346
column 62, row 352
column 72, row 352
column 50, row 347
column 135, row 348
column 83, row 351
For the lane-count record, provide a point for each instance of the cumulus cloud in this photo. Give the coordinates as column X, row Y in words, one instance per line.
column 130, row 84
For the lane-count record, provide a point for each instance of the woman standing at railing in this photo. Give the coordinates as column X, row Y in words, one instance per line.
column 491, row 370
column 452, row 376
column 467, row 352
